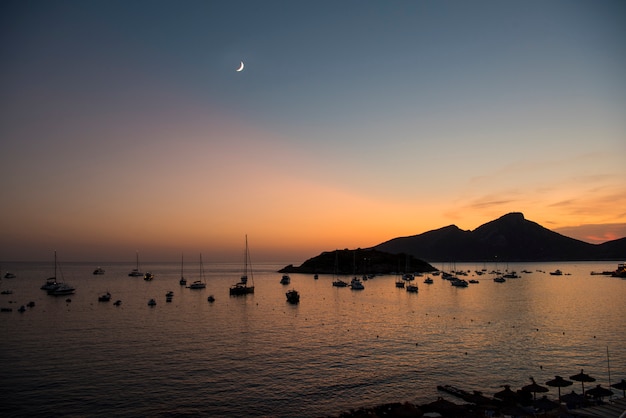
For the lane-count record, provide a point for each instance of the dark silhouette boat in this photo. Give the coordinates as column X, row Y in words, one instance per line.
column 293, row 296
column 242, row 288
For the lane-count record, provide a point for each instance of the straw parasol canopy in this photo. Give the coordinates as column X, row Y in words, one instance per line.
column 559, row 382
column 534, row 388
column 620, row 385
column 599, row 392
column 506, row 395
column 582, row 378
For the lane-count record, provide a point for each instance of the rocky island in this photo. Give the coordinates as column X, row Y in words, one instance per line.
column 360, row 261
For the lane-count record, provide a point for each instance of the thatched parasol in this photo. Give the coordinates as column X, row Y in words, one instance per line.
column 582, row 378
column 599, row 392
column 559, row 382
column 534, row 388
column 506, row 395
column 620, row 385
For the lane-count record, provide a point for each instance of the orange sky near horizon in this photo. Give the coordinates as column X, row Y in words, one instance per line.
column 125, row 132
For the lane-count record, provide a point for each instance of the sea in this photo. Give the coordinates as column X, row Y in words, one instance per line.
column 257, row 355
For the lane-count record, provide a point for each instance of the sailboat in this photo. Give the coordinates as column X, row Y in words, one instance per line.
column 182, row 280
column 136, row 272
column 55, row 288
column 337, row 282
column 199, row 284
column 242, row 287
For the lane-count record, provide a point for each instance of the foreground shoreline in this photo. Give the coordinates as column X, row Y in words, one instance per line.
column 522, row 406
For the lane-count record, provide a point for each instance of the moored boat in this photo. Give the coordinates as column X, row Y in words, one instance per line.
column 182, row 281
column 620, row 271
column 105, row 297
column 62, row 289
column 356, row 284
column 459, row 282
column 285, row 279
column 98, row 271
column 293, row 296
column 9, row 275
column 136, row 272
column 412, row 288
column 242, row 287
column 556, row 272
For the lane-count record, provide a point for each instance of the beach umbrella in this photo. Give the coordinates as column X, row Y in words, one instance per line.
column 559, row 382
column 599, row 392
column 620, row 385
column 534, row 388
column 506, row 395
column 582, row 378
column 545, row 404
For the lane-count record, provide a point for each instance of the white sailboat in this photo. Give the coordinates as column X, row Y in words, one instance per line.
column 136, row 272
column 56, row 288
column 242, row 287
column 199, row 284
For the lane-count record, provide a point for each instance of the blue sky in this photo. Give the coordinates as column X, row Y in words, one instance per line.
column 352, row 123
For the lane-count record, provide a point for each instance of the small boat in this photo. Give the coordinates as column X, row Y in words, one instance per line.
column 30, row 304
column 620, row 271
column 428, row 280
column 511, row 275
column 105, row 297
column 285, row 279
column 148, row 276
column 117, row 302
column 152, row 302
column 339, row 283
column 356, row 284
column 556, row 272
column 293, row 296
column 136, row 272
column 51, row 283
column 21, row 308
column 182, row 281
column 500, row 279
column 98, row 271
column 6, row 309
column 474, row 281
column 6, row 292
column 62, row 289
column 199, row 284
column 411, row 288
column 316, row 277
column 211, row 298
column 168, row 296
column 459, row 282
column 399, row 283
column 242, row 288
column 9, row 275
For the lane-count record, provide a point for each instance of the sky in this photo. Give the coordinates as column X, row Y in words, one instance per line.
column 124, row 125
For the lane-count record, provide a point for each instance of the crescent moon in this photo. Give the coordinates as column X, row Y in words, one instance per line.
column 240, row 69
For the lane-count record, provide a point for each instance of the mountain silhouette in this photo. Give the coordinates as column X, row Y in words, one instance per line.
column 508, row 238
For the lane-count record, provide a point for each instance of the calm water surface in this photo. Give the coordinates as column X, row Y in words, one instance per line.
column 259, row 356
